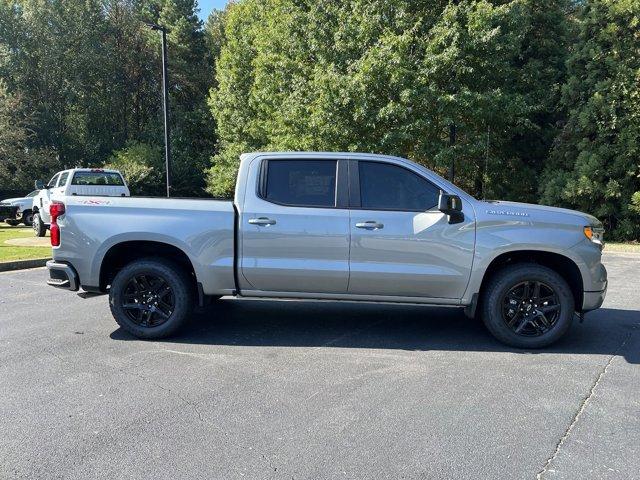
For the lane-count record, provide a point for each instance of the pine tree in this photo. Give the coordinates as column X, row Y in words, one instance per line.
column 595, row 165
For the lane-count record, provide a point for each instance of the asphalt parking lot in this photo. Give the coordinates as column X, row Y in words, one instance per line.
column 317, row 390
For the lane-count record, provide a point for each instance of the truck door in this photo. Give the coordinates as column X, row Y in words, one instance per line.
column 401, row 245
column 294, row 226
column 45, row 198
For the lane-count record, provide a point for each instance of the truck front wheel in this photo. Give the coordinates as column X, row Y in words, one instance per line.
column 27, row 218
column 527, row 306
column 39, row 228
column 151, row 298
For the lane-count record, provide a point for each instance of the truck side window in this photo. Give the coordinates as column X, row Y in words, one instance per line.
column 384, row 186
column 301, row 183
column 63, row 179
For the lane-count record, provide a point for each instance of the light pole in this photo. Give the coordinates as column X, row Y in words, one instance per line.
column 165, row 104
column 452, row 142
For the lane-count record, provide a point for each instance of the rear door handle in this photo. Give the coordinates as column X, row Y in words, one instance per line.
column 262, row 221
column 370, row 225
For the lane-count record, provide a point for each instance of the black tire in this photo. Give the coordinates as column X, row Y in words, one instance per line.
column 39, row 228
column 27, row 218
column 162, row 321
column 518, row 317
column 12, row 222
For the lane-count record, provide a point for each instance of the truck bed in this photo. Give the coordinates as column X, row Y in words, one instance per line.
column 202, row 228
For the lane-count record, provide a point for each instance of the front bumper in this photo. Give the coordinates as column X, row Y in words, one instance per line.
column 62, row 275
column 8, row 212
column 593, row 299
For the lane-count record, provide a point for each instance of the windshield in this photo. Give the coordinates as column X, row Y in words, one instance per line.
column 33, row 194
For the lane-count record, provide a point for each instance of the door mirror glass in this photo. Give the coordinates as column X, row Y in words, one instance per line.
column 39, row 184
column 451, row 205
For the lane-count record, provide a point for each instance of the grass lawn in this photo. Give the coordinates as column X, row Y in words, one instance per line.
column 14, row 252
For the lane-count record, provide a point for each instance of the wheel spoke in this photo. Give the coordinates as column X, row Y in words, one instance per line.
column 522, row 323
column 145, row 283
column 164, row 306
column 162, row 291
column 536, row 290
column 133, row 306
column 526, row 291
column 161, row 313
column 146, row 317
column 539, row 329
column 549, row 308
column 549, row 298
column 137, row 285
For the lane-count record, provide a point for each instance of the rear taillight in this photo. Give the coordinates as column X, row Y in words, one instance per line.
column 55, row 210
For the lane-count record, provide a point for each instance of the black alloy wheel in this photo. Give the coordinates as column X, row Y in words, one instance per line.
column 531, row 308
column 527, row 305
column 148, row 300
column 152, row 297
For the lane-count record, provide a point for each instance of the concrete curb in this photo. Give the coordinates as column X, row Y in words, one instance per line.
column 23, row 264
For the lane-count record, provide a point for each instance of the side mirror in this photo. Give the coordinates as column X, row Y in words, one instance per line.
column 451, row 205
column 39, row 184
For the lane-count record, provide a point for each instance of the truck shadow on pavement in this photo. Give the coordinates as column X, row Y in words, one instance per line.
column 282, row 323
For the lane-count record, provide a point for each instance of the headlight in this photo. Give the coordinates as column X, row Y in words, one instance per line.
column 595, row 234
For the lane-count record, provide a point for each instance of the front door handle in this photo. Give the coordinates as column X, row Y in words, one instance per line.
column 262, row 221
column 370, row 225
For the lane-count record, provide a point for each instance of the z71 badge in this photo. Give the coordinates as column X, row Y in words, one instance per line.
column 95, row 201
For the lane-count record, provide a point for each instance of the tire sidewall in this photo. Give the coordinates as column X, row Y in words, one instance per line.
column 38, row 226
column 177, row 280
column 507, row 279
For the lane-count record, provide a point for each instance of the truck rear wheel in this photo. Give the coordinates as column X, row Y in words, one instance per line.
column 151, row 298
column 39, row 228
column 527, row 306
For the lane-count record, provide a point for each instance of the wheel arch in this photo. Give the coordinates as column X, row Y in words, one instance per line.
column 557, row 262
column 123, row 253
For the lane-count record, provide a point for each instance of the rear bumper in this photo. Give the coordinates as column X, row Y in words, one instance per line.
column 62, row 275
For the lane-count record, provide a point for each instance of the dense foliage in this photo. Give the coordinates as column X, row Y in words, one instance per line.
column 87, row 73
column 542, row 94
column 595, row 163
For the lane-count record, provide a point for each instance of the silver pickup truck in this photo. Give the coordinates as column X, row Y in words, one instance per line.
column 339, row 226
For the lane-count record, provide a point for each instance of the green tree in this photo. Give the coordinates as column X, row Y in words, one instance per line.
column 595, row 165
column 392, row 77
column 142, row 166
column 19, row 165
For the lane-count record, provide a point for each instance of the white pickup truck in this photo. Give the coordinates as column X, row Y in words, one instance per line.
column 76, row 181
column 339, row 226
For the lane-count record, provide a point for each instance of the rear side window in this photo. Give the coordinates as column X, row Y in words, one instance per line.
column 389, row 187
column 97, row 178
column 63, row 179
column 302, row 183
